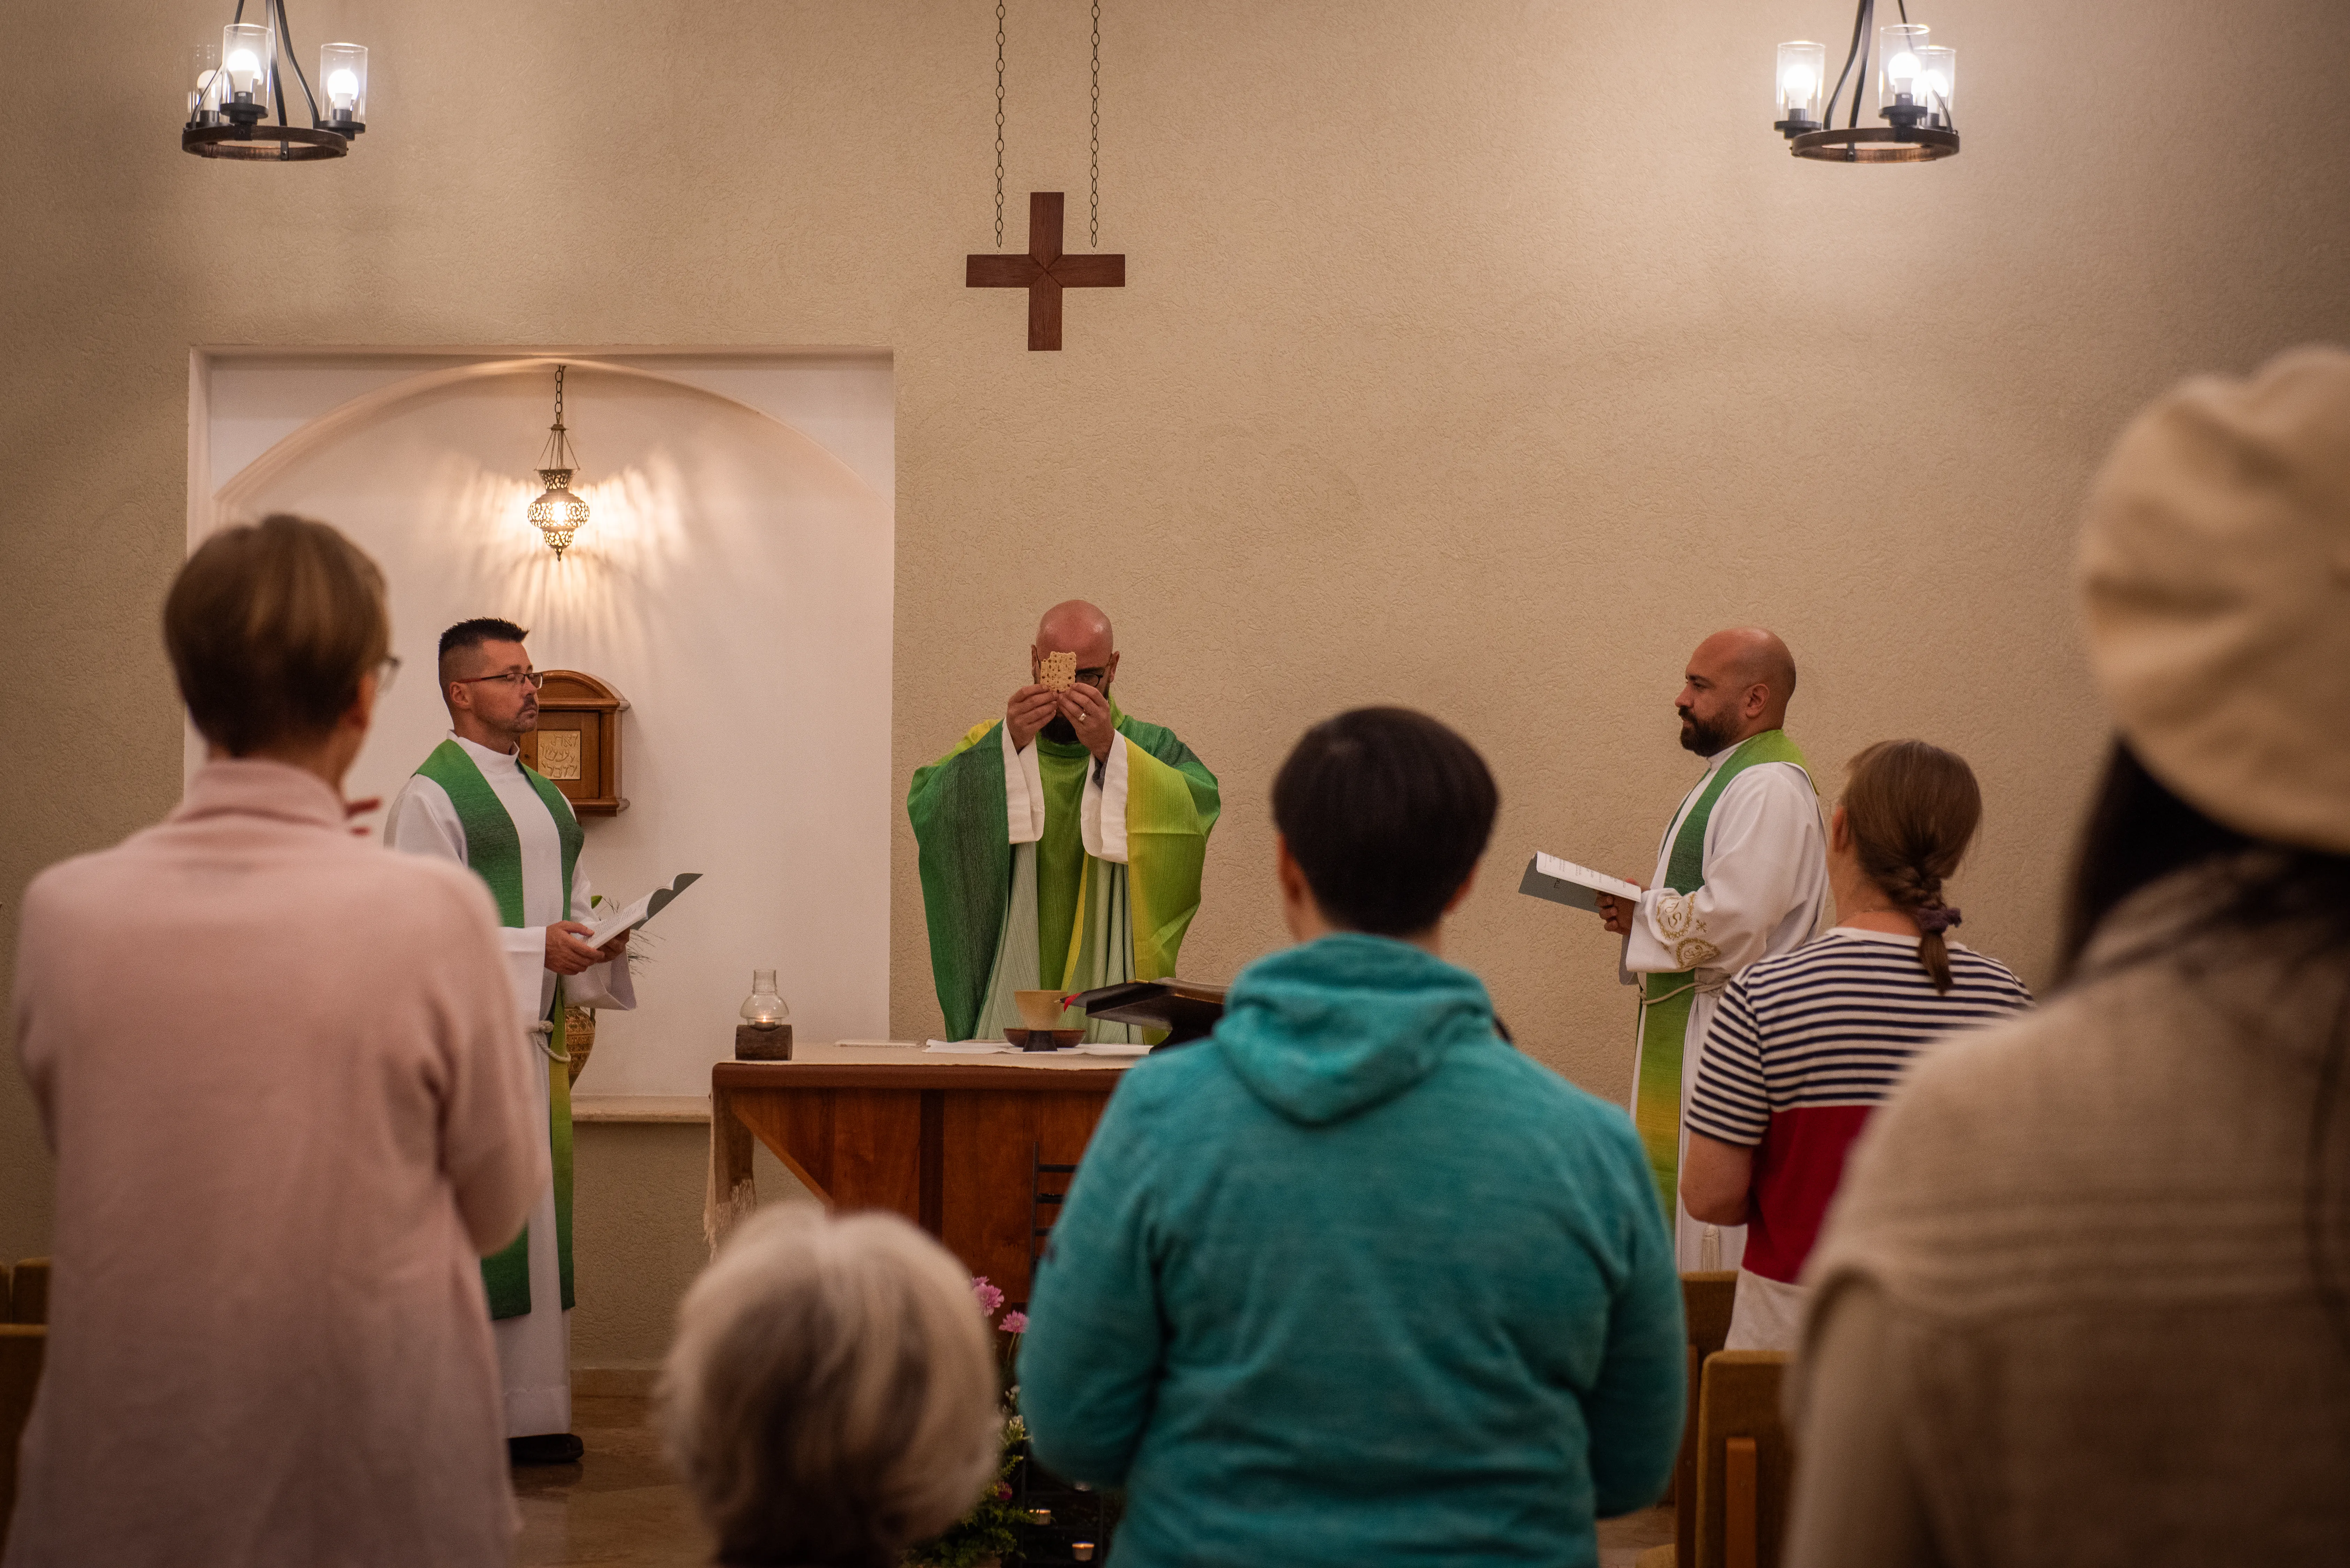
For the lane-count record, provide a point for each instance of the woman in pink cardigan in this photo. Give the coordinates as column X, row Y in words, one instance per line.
column 290, row 1107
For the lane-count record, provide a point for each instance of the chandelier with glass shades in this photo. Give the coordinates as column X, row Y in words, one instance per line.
column 238, row 79
column 1913, row 81
column 558, row 513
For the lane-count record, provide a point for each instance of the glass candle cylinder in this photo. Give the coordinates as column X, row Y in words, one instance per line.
column 1937, row 75
column 1897, row 68
column 764, row 1008
column 342, row 79
column 1803, row 77
column 248, row 58
column 206, row 84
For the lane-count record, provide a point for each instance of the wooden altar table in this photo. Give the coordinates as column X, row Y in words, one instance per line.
column 949, row 1142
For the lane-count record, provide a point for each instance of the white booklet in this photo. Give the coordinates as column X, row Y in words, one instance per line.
column 1577, row 887
column 638, row 913
column 965, row 1047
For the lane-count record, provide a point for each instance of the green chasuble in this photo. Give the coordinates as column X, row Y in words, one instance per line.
column 1666, row 998
column 493, row 851
column 1006, row 916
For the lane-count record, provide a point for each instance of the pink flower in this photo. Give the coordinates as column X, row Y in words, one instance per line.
column 991, row 1300
column 1016, row 1322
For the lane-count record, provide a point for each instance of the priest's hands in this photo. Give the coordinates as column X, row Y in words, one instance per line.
column 1031, row 709
column 1617, row 913
column 1087, row 711
column 566, row 954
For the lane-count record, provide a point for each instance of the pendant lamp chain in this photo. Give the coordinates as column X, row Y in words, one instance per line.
column 1093, row 148
column 999, row 124
column 1093, row 219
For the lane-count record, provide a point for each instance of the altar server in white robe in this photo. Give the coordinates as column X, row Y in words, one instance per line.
column 1742, row 875
column 474, row 802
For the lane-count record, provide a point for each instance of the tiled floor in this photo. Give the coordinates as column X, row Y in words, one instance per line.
column 619, row 1506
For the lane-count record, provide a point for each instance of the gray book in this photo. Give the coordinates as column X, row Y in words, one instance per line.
column 1577, row 887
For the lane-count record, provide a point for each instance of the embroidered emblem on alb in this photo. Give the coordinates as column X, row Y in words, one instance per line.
column 1677, row 916
column 1695, row 952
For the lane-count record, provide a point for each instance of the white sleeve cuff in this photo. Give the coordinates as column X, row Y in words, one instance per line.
column 1669, row 934
column 609, row 984
column 1102, row 818
column 1024, row 791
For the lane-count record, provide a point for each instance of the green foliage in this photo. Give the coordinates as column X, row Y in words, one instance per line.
column 991, row 1530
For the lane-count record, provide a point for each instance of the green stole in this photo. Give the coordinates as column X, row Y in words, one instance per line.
column 1666, row 998
column 493, row 851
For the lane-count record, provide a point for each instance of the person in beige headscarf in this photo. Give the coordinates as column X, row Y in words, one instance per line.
column 2085, row 1294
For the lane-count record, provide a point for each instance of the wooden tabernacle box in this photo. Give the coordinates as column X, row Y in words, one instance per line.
column 578, row 742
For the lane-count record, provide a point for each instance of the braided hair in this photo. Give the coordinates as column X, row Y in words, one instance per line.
column 1912, row 809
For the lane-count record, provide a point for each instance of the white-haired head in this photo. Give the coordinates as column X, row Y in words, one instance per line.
column 831, row 1395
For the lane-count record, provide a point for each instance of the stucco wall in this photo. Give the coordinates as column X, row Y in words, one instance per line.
column 1478, row 356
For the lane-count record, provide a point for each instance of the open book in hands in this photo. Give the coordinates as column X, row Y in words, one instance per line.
column 636, row 914
column 1577, row 887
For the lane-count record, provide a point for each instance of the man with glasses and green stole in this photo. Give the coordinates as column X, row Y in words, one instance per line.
column 474, row 802
column 1742, row 875
column 1061, row 845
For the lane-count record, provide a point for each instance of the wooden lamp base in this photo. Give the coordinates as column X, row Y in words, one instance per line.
column 752, row 1043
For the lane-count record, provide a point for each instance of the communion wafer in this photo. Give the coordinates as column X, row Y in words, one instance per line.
column 1060, row 671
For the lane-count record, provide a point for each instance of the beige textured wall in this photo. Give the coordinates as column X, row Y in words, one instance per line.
column 637, row 1233
column 1478, row 356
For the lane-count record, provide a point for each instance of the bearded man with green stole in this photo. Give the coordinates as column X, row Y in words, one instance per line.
column 1061, row 845
column 1742, row 875
column 474, row 802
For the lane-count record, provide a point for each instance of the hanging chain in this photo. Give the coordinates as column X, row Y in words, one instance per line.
column 558, row 397
column 999, row 124
column 1093, row 218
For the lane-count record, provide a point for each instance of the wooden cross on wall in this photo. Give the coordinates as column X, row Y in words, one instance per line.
column 1045, row 271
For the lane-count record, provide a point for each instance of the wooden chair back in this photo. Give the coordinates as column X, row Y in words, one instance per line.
column 28, row 1293
column 1745, row 1464
column 1048, row 1187
column 1706, row 1300
column 24, row 1339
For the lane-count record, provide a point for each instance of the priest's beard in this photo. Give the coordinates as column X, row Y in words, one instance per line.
column 1701, row 736
column 1060, row 731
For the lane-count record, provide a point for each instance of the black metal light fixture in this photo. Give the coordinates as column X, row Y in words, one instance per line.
column 237, row 81
column 1914, row 84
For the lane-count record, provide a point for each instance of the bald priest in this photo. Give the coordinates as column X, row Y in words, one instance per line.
column 1742, row 875
column 1062, row 845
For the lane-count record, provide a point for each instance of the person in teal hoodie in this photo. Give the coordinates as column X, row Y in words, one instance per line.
column 1353, row 1282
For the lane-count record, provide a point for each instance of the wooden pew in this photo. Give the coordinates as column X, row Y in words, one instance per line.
column 26, row 1299
column 1706, row 1300
column 22, row 1339
column 1746, row 1463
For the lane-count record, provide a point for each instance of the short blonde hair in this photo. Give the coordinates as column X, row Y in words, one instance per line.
column 271, row 627
column 831, row 1395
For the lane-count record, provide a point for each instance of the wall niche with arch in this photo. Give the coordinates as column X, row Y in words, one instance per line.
column 734, row 580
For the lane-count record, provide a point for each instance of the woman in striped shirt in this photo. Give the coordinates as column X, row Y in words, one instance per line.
column 1806, row 1045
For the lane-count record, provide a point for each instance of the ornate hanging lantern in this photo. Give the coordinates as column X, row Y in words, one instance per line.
column 237, row 80
column 1914, row 83
column 558, row 513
